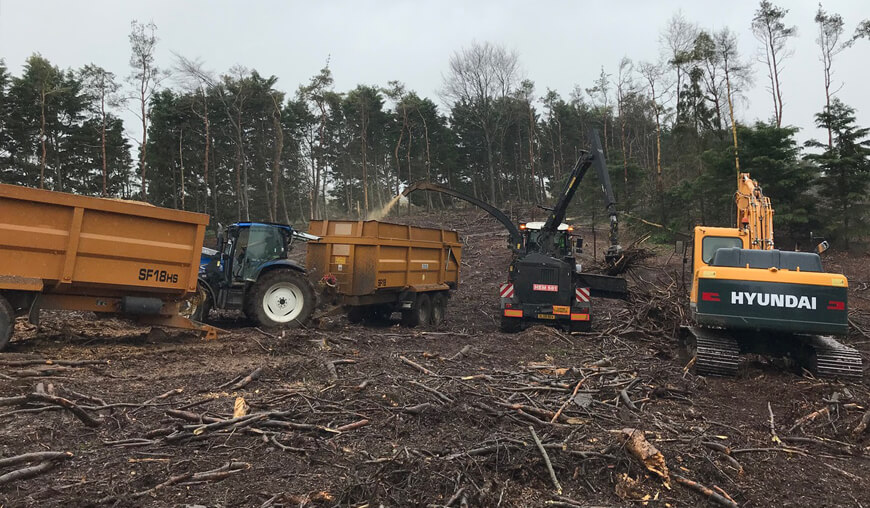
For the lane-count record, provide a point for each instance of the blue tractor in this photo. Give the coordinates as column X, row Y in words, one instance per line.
column 251, row 271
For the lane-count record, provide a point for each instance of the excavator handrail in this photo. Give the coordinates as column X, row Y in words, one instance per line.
column 516, row 238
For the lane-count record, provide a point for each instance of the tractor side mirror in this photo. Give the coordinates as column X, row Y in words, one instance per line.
column 578, row 246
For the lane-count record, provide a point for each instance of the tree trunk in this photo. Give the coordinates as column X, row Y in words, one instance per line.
column 142, row 90
column 532, row 153
column 181, row 164
column 364, row 127
column 42, row 140
column 276, row 160
column 491, row 166
column 207, row 148
column 103, row 140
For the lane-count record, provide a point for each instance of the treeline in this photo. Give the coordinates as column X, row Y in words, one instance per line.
column 238, row 147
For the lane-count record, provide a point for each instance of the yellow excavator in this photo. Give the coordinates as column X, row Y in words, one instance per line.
column 748, row 297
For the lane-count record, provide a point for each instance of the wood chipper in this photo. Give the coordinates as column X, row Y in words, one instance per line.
column 68, row 252
column 376, row 268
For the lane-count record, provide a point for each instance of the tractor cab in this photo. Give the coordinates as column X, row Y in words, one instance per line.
column 531, row 232
column 248, row 252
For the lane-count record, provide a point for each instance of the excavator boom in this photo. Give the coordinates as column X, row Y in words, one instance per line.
column 557, row 215
column 754, row 213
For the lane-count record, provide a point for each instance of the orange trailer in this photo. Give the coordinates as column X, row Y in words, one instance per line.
column 375, row 268
column 68, row 252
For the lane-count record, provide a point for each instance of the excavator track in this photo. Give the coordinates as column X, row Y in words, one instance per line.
column 715, row 352
column 831, row 359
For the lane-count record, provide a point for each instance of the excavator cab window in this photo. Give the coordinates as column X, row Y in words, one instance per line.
column 713, row 243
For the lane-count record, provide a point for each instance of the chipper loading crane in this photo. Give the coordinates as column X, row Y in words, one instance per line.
column 748, row 297
column 545, row 285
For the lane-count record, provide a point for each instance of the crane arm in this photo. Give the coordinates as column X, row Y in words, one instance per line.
column 516, row 238
column 754, row 213
column 557, row 216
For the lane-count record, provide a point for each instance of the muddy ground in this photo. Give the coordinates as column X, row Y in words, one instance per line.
column 353, row 415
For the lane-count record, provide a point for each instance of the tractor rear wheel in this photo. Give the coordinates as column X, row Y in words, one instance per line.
column 7, row 322
column 439, row 308
column 281, row 298
column 421, row 314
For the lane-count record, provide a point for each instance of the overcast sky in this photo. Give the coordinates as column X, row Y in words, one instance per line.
column 560, row 44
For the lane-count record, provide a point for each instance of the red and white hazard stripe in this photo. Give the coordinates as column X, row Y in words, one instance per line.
column 581, row 294
column 506, row 290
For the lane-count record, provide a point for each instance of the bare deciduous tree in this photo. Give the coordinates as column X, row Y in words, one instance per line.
column 653, row 74
column 678, row 41
column 145, row 77
column 600, row 97
column 736, row 74
column 828, row 39
column 625, row 88
column 773, row 34
column 101, row 86
column 479, row 76
column 197, row 81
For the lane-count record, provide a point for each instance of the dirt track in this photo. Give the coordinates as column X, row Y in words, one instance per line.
column 446, row 411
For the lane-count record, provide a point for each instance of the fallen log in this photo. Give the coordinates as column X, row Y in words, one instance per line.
column 417, row 366
column 862, row 425
column 49, row 460
column 79, row 413
column 65, row 363
column 352, row 426
column 710, row 493
column 543, row 451
column 247, row 379
column 34, row 457
column 28, row 472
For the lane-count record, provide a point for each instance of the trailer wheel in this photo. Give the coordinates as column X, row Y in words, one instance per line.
column 7, row 322
column 379, row 313
column 421, row 313
column 356, row 314
column 199, row 305
column 439, row 308
column 281, row 298
column 510, row 325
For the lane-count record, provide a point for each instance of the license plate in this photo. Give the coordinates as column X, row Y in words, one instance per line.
column 545, row 287
column 546, row 316
column 563, row 310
